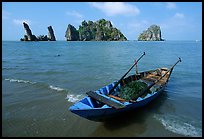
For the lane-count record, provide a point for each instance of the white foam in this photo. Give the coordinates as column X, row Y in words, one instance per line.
column 73, row 98
column 179, row 126
column 19, row 81
column 56, row 88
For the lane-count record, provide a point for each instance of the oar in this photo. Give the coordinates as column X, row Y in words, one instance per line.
column 110, row 92
column 146, row 89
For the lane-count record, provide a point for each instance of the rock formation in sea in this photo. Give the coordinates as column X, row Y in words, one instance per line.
column 100, row 30
column 72, row 34
column 30, row 37
column 42, row 38
column 153, row 33
column 51, row 35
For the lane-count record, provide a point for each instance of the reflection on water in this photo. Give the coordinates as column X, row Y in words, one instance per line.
column 130, row 123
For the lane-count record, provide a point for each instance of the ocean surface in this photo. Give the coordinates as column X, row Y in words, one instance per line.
column 41, row 80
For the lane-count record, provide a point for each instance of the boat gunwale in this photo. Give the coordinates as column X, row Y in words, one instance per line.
column 138, row 100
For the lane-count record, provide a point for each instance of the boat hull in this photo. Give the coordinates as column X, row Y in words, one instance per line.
column 106, row 112
column 92, row 108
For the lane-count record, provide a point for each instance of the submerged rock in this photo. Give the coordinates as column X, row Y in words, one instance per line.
column 153, row 33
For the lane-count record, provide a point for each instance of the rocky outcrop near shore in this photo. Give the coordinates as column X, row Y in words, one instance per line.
column 30, row 37
column 153, row 33
column 100, row 30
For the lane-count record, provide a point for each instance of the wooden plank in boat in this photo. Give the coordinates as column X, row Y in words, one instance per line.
column 105, row 100
column 117, row 98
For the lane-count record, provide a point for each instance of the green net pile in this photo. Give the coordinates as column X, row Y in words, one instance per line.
column 132, row 90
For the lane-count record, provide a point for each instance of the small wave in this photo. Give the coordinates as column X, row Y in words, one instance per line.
column 179, row 126
column 8, row 68
column 19, row 81
column 39, row 84
column 56, row 88
column 73, row 98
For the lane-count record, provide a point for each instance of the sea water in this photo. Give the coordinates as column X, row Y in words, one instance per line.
column 41, row 80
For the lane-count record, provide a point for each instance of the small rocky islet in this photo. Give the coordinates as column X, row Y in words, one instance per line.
column 101, row 30
column 30, row 37
column 153, row 33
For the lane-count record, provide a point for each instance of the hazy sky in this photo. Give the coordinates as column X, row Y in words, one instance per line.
column 178, row 20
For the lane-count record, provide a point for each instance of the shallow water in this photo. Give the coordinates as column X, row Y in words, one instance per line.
column 41, row 80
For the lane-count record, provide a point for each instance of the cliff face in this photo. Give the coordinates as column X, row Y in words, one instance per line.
column 153, row 33
column 100, row 30
column 51, row 36
column 30, row 37
column 72, row 34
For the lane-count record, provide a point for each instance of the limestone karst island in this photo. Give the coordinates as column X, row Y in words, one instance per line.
column 153, row 33
column 101, row 30
column 30, row 37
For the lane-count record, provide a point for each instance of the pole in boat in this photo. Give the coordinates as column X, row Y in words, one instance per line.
column 110, row 92
column 145, row 90
column 136, row 70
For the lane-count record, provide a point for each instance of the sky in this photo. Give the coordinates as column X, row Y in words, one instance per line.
column 177, row 20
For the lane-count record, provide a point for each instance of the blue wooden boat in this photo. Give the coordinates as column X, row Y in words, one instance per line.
column 104, row 103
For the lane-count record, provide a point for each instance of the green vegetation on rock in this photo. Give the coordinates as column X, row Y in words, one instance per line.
column 100, row 30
